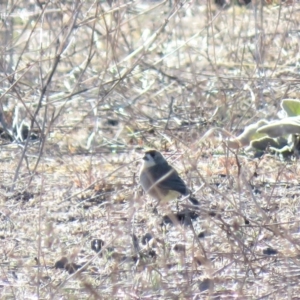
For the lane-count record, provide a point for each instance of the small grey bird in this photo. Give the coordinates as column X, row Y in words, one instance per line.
column 160, row 180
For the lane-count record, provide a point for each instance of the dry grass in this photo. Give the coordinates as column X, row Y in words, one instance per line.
column 98, row 83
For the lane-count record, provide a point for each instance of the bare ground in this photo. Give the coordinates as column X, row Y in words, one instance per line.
column 99, row 83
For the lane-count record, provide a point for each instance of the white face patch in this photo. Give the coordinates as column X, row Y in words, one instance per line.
column 148, row 161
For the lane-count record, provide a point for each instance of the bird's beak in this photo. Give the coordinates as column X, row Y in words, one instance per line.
column 145, row 157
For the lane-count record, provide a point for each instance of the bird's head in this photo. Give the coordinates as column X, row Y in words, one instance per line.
column 152, row 158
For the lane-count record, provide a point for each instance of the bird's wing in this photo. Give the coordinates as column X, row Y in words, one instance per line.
column 170, row 180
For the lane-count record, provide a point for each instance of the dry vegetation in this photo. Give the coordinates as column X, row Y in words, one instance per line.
column 85, row 87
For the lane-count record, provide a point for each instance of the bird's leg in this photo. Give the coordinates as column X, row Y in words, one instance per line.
column 155, row 208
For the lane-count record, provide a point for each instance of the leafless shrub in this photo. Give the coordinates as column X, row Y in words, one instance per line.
column 85, row 87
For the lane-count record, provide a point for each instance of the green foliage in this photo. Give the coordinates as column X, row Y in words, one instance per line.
column 281, row 136
column 291, row 107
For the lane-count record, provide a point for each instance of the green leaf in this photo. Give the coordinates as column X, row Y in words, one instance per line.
column 263, row 143
column 281, row 127
column 291, row 107
column 250, row 133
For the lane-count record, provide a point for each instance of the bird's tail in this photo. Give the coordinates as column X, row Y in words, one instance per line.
column 194, row 200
